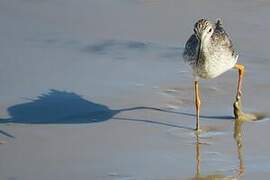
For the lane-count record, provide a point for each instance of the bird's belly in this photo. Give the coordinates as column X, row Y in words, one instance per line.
column 213, row 67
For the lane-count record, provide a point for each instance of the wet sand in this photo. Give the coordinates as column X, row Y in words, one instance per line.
column 98, row 90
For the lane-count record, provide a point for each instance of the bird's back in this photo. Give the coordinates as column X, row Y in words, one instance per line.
column 220, row 41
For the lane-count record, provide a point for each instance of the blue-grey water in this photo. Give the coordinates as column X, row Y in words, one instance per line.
column 97, row 89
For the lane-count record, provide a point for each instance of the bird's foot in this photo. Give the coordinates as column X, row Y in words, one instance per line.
column 198, row 130
column 237, row 108
column 242, row 116
column 238, row 96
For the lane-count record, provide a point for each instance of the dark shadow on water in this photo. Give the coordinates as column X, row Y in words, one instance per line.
column 61, row 107
column 152, row 122
column 58, row 107
column 6, row 134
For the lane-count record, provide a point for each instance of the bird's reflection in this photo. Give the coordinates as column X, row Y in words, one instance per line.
column 238, row 140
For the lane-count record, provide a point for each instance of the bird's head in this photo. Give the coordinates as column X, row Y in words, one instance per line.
column 203, row 29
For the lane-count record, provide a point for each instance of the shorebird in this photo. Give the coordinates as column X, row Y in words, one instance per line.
column 209, row 52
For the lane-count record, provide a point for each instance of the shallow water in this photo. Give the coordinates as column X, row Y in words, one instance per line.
column 96, row 89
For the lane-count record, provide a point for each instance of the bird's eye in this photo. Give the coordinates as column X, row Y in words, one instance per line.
column 210, row 30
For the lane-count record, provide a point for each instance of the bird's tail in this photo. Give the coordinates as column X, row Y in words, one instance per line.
column 219, row 23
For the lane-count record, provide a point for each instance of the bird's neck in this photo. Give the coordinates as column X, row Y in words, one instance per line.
column 204, row 44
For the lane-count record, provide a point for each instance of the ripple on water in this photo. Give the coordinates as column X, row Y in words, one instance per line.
column 118, row 176
column 189, row 135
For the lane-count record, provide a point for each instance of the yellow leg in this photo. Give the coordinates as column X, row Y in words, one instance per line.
column 197, row 104
column 241, row 70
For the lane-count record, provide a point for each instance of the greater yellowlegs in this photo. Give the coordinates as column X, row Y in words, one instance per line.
column 209, row 51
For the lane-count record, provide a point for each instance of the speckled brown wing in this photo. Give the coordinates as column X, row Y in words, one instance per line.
column 190, row 53
column 220, row 40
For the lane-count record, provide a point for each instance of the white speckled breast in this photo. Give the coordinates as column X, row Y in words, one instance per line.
column 213, row 61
